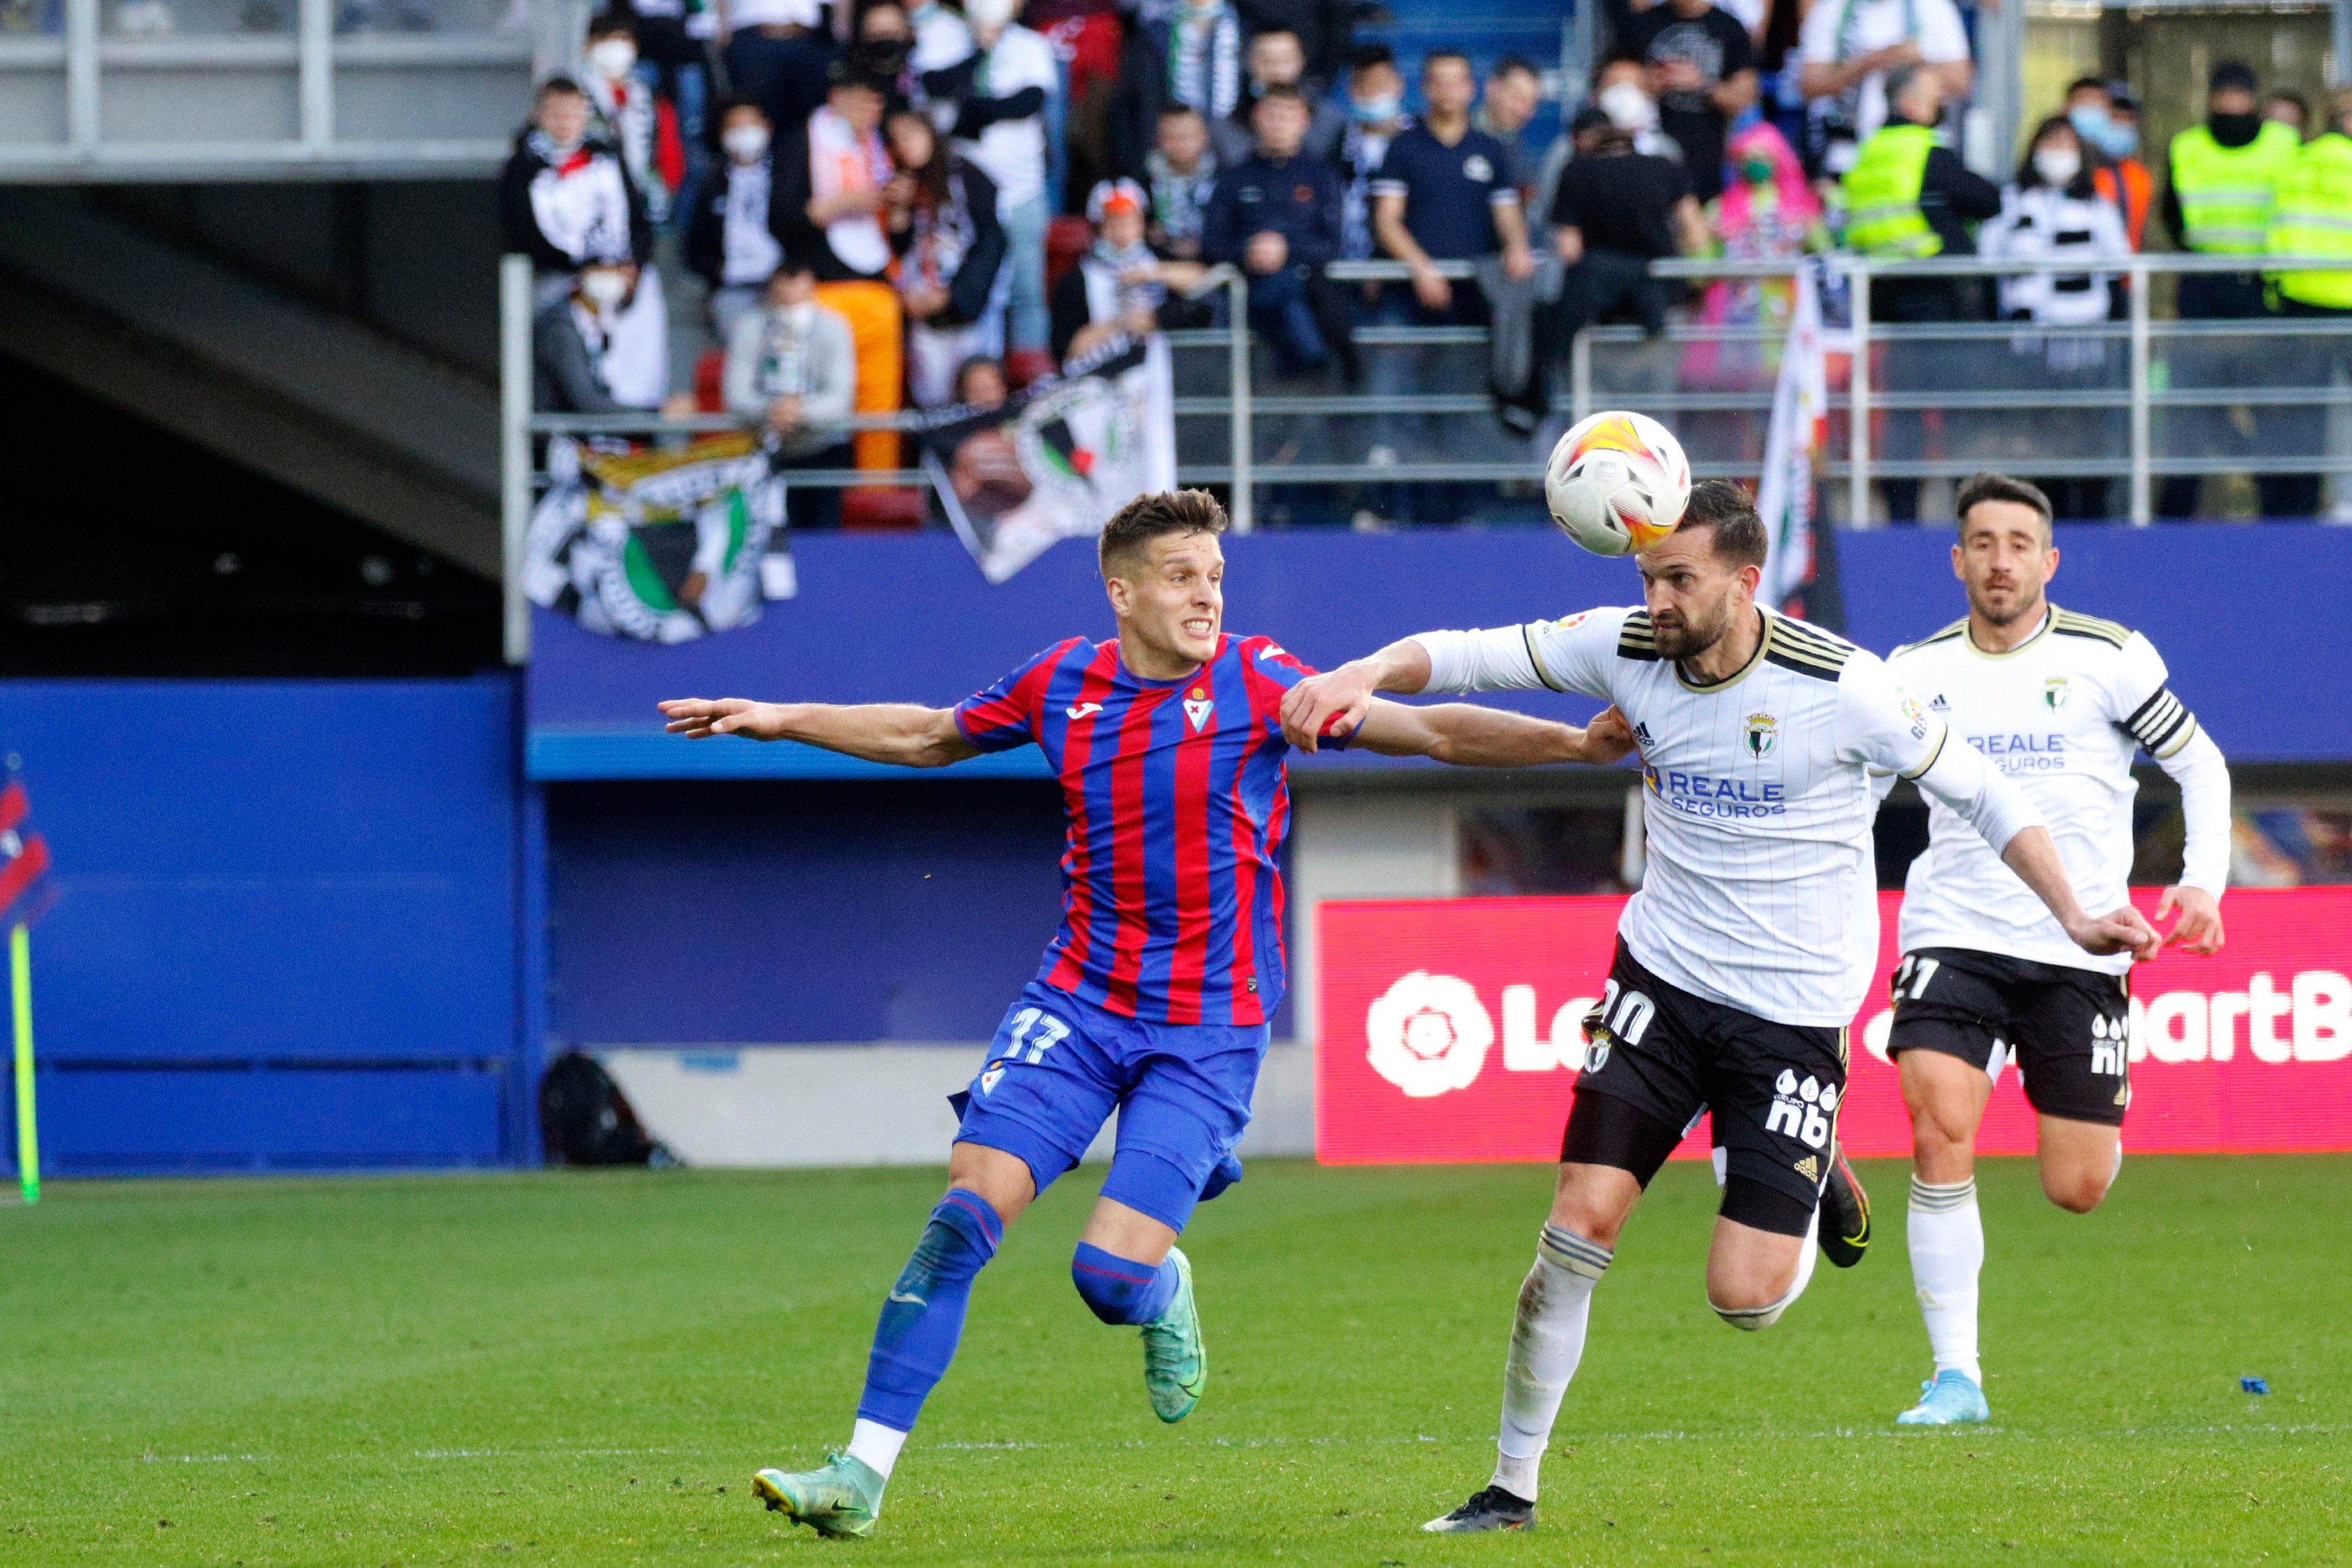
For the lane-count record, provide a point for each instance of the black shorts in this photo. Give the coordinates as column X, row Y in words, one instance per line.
column 2069, row 1029
column 1774, row 1088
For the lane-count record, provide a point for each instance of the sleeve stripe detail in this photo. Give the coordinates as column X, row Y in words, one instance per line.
column 1528, row 636
column 1922, row 768
column 1947, row 635
column 2068, row 623
column 1805, row 650
column 1635, row 640
column 2163, row 724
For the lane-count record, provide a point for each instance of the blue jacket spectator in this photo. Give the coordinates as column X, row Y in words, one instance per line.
column 1279, row 216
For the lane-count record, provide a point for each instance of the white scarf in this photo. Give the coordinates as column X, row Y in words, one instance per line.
column 1108, row 298
column 840, row 160
column 580, row 202
column 1205, row 59
column 750, row 251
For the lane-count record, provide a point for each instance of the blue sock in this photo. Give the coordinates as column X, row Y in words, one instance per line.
column 1121, row 1290
column 923, row 1319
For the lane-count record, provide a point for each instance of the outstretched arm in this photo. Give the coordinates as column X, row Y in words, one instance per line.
column 897, row 732
column 1470, row 736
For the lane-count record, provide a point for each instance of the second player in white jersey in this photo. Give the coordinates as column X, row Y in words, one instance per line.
column 2062, row 714
column 1761, row 890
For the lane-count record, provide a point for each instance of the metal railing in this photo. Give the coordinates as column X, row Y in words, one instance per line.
column 276, row 89
column 2135, row 390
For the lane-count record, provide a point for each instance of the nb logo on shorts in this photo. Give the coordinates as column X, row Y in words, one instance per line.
column 1802, row 1110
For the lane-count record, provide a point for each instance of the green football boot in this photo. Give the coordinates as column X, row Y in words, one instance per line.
column 1175, row 1362
column 841, row 1500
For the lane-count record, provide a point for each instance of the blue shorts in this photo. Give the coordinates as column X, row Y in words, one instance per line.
column 1060, row 1066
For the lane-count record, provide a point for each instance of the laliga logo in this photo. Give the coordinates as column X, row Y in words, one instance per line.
column 1429, row 1034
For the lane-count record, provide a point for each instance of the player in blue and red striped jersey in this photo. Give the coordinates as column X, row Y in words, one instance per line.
column 1153, row 996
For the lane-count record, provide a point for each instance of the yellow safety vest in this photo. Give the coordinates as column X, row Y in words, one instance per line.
column 2315, row 218
column 2226, row 194
column 1882, row 195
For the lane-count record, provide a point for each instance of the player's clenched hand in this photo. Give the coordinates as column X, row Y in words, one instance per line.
column 2199, row 927
column 2119, row 931
column 699, row 718
column 1608, row 739
column 1320, row 705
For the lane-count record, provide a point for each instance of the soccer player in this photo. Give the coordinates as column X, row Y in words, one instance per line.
column 2059, row 702
column 1743, row 957
column 1153, row 997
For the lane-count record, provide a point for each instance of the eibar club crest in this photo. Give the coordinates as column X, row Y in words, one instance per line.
column 2054, row 692
column 1763, row 734
column 1198, row 705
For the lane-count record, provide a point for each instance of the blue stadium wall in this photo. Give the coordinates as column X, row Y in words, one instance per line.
column 316, row 925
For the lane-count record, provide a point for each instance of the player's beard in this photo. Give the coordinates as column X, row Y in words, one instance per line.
column 1685, row 639
column 2020, row 603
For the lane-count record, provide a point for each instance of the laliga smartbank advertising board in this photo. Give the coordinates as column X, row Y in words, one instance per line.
column 1449, row 1032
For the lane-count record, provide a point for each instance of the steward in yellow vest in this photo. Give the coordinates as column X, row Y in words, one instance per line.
column 2314, row 217
column 1907, row 195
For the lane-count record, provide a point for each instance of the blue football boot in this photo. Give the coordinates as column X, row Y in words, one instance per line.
column 1952, row 1397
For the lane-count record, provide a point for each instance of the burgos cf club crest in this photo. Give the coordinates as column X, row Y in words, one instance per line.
column 1763, row 734
column 2054, row 692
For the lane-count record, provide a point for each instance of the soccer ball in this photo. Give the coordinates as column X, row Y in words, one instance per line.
column 1617, row 483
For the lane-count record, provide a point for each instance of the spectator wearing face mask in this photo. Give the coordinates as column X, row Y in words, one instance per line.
column 2055, row 210
column 1702, row 70
column 1277, row 215
column 2219, row 202
column 1002, row 93
column 1767, row 213
column 1621, row 90
column 2107, row 120
column 778, row 56
column 729, row 240
column 1275, row 59
column 1376, row 116
column 1118, row 286
column 1179, row 172
column 1177, row 51
column 950, row 247
column 792, row 370
column 583, row 361
column 627, row 113
column 827, row 211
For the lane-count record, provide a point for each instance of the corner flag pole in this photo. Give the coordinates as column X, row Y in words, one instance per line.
column 28, row 1141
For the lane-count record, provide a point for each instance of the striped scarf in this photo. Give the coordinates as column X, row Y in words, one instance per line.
column 1205, row 59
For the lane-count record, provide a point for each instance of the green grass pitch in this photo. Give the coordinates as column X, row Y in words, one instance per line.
column 583, row 1369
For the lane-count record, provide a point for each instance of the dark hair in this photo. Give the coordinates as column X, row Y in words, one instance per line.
column 1147, row 517
column 727, row 106
column 1434, row 56
column 558, row 87
column 2097, row 84
column 1979, row 487
column 1514, row 64
column 931, row 177
column 1175, row 109
column 2094, row 158
column 1728, row 511
column 1281, row 90
column 2288, row 95
column 1368, row 56
column 973, row 363
column 612, row 24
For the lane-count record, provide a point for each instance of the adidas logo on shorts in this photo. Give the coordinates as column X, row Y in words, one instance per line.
column 1809, row 1168
column 1802, row 1109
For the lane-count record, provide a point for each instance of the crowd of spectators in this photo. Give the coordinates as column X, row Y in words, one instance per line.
column 918, row 204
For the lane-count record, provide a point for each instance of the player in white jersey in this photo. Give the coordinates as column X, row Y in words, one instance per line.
column 2059, row 702
column 1742, row 959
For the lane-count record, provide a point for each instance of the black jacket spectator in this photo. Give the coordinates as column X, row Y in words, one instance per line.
column 1298, row 198
column 565, row 344
column 1232, row 139
column 1326, row 29
column 1951, row 196
column 1622, row 202
column 706, row 227
column 563, row 208
column 956, row 227
column 788, row 219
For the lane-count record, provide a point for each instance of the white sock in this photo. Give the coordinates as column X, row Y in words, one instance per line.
column 877, row 1446
column 1947, row 1236
column 1547, row 1342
